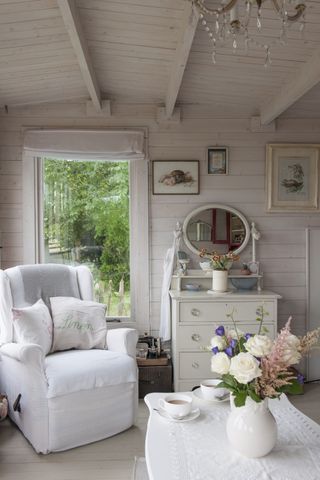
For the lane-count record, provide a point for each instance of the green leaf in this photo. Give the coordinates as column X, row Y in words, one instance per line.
column 229, row 380
column 294, row 388
column 254, row 396
column 225, row 385
column 240, row 398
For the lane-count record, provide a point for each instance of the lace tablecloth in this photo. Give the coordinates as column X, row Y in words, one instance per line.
column 199, row 450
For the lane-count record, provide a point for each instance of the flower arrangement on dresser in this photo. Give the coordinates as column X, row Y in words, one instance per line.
column 254, row 368
column 220, row 264
column 219, row 261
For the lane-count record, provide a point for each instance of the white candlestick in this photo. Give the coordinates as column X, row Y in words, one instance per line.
column 255, row 236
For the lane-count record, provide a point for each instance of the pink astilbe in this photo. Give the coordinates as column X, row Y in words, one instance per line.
column 275, row 371
column 309, row 341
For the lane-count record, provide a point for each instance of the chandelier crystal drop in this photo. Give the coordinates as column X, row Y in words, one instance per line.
column 233, row 18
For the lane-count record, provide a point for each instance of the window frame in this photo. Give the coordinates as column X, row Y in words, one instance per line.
column 139, row 232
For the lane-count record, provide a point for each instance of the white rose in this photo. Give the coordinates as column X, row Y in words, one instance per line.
column 244, row 367
column 259, row 345
column 232, row 333
column 219, row 342
column 220, row 363
column 291, row 354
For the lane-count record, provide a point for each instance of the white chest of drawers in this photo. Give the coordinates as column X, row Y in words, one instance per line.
column 195, row 315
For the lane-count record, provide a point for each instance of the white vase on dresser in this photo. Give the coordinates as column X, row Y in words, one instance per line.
column 195, row 315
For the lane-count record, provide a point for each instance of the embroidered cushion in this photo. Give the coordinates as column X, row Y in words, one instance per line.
column 33, row 325
column 79, row 324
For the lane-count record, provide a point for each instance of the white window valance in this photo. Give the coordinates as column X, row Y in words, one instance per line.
column 86, row 144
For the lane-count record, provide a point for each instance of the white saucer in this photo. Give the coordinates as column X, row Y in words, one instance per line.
column 198, row 393
column 191, row 416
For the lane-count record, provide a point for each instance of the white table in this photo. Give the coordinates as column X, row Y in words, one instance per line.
column 199, row 450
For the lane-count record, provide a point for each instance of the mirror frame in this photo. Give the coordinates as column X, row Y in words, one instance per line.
column 221, row 206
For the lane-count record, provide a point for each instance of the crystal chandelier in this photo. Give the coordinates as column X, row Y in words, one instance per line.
column 232, row 20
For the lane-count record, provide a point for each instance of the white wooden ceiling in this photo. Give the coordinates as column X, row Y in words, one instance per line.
column 151, row 51
column 37, row 61
column 239, row 83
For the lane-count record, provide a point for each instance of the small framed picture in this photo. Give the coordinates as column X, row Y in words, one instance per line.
column 176, row 177
column 217, row 161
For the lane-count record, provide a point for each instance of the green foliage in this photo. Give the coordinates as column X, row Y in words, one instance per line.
column 294, row 387
column 87, row 207
column 240, row 398
column 240, row 391
column 261, row 314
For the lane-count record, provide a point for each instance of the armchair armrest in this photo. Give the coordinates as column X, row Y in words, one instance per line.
column 123, row 340
column 31, row 353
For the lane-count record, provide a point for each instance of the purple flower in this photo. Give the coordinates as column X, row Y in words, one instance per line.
column 220, row 331
column 215, row 350
column 300, row 379
column 233, row 343
column 247, row 336
column 229, row 351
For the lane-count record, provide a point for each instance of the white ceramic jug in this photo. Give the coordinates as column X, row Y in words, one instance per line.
column 252, row 429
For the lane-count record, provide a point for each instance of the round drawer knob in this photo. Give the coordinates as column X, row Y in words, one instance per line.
column 195, row 365
column 195, row 312
column 195, row 337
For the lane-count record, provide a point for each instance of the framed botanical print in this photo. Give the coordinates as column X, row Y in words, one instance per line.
column 217, row 161
column 176, row 177
column 292, row 172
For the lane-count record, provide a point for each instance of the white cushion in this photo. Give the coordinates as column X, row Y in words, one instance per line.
column 79, row 324
column 33, row 325
column 75, row 370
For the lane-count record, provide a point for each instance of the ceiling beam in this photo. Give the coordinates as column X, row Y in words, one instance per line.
column 72, row 22
column 307, row 77
column 189, row 25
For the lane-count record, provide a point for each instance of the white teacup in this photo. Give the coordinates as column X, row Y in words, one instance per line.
column 210, row 391
column 176, row 404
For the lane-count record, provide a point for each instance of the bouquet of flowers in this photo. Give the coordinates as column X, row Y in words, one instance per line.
column 219, row 261
column 255, row 366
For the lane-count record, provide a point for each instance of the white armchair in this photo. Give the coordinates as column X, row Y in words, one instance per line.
column 68, row 398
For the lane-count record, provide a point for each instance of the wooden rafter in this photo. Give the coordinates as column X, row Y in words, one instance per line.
column 189, row 24
column 306, row 78
column 72, row 22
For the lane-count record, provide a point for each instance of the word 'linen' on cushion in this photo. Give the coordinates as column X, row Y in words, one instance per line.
column 79, row 324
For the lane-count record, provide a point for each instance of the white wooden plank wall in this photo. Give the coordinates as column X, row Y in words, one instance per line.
column 282, row 249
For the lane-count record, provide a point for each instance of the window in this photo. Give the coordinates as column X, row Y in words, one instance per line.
column 86, row 220
column 104, row 149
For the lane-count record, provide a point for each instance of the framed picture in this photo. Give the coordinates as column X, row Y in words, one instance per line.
column 292, row 172
column 176, row 177
column 217, row 161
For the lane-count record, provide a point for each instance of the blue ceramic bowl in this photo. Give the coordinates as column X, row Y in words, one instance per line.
column 192, row 287
column 246, row 283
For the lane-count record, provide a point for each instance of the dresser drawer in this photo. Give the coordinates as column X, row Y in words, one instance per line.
column 195, row 365
column 194, row 337
column 197, row 336
column 215, row 312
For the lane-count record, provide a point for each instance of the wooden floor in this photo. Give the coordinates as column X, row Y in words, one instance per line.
column 110, row 459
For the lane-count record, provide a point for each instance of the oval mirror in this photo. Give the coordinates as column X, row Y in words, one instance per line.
column 216, row 227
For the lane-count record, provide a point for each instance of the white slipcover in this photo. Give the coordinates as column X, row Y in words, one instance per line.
column 68, row 398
